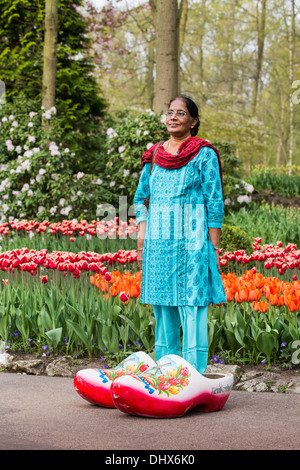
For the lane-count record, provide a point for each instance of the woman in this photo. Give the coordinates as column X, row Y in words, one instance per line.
column 179, row 235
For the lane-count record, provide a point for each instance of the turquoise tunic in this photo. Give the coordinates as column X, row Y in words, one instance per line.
column 179, row 261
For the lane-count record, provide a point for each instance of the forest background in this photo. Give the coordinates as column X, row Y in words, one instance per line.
column 239, row 60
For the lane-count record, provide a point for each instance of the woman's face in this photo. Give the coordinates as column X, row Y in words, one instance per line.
column 179, row 121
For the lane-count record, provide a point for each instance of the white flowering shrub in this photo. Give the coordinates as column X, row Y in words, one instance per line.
column 127, row 140
column 37, row 178
column 237, row 192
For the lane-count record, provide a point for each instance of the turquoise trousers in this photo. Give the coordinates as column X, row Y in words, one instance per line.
column 193, row 321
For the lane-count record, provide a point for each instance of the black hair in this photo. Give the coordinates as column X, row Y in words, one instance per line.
column 192, row 109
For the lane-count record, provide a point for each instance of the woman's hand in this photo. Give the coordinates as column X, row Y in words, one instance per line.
column 140, row 258
column 218, row 261
column 215, row 234
column 140, row 242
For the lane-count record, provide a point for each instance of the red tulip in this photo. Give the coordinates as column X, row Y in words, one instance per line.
column 124, row 297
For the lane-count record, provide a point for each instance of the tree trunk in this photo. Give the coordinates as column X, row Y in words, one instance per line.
column 292, row 34
column 281, row 151
column 50, row 42
column 183, row 15
column 182, row 21
column 151, row 62
column 261, row 22
column 167, row 44
column 202, row 22
column 150, row 76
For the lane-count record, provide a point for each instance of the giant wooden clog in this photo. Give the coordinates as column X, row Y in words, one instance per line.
column 171, row 389
column 94, row 384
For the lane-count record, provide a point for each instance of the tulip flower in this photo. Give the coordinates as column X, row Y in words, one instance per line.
column 255, row 294
column 113, row 291
column 124, row 297
column 229, row 294
column 292, row 302
column 263, row 306
column 276, row 300
column 242, row 295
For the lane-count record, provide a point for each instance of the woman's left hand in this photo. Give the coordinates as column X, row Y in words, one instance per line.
column 218, row 262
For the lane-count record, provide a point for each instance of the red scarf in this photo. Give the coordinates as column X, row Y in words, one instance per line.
column 186, row 152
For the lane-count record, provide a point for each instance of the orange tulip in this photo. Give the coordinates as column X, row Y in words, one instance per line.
column 292, row 303
column 269, row 289
column 255, row 294
column 258, row 282
column 263, row 306
column 133, row 291
column 276, row 300
column 229, row 292
column 242, row 295
column 113, row 290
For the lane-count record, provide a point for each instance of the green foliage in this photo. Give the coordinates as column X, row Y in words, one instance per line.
column 127, row 140
column 78, row 101
column 278, row 180
column 40, row 177
column 271, row 223
column 69, row 316
column 237, row 193
column 242, row 334
column 233, row 238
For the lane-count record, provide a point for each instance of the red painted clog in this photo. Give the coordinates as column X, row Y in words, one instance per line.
column 94, row 384
column 171, row 389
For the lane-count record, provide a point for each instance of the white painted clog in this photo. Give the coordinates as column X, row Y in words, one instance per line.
column 170, row 389
column 94, row 384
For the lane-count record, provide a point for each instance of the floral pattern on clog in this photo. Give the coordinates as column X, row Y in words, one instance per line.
column 130, row 365
column 169, row 381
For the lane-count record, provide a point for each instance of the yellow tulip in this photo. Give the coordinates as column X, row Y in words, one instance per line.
column 172, row 372
column 174, row 389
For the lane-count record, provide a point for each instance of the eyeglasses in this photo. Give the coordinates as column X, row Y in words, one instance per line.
column 180, row 114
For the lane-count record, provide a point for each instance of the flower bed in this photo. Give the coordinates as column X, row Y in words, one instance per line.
column 84, row 302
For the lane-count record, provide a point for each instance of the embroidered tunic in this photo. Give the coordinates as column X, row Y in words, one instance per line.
column 179, row 261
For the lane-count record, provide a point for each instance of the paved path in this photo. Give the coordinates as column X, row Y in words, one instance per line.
column 45, row 413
